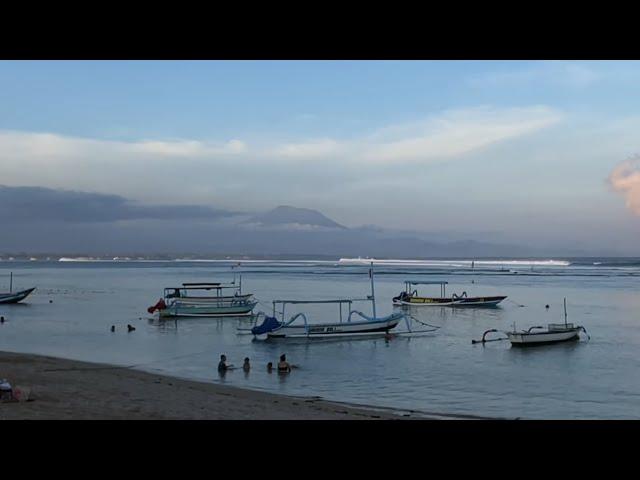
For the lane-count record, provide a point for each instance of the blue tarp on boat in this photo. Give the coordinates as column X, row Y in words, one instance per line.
column 269, row 324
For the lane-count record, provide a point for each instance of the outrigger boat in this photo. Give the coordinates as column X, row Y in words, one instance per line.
column 555, row 333
column 14, row 297
column 366, row 327
column 182, row 293
column 179, row 302
column 410, row 297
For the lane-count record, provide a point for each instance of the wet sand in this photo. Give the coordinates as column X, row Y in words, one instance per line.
column 67, row 389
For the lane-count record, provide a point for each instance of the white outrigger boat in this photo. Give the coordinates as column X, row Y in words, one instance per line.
column 182, row 294
column 179, row 301
column 554, row 333
column 14, row 297
column 410, row 297
column 364, row 327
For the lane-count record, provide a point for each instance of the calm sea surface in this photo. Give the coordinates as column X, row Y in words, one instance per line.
column 75, row 304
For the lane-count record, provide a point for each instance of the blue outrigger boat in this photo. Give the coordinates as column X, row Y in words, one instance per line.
column 298, row 327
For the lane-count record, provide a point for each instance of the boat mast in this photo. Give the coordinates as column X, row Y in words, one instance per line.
column 10, row 282
column 233, row 269
column 373, row 295
column 565, row 312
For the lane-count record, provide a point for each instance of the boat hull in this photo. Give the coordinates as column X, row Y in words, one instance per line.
column 329, row 330
column 479, row 301
column 208, row 300
column 202, row 310
column 542, row 338
column 425, row 302
column 6, row 298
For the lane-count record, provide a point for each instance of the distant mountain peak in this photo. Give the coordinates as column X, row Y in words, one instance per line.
column 297, row 218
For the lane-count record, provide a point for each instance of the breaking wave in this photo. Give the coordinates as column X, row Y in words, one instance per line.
column 455, row 263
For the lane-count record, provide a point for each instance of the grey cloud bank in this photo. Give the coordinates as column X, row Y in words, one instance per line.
column 32, row 204
column 40, row 220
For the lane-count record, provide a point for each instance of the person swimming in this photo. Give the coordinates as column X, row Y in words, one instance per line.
column 270, row 367
column 283, row 365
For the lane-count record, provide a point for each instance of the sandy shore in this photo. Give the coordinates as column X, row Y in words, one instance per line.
column 68, row 389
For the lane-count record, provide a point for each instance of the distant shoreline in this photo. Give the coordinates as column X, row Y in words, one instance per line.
column 64, row 389
column 139, row 257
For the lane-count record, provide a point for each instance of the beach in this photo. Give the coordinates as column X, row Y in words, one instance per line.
column 63, row 389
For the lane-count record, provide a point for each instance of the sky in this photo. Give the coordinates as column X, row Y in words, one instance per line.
column 542, row 153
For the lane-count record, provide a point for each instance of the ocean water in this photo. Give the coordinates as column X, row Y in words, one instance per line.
column 75, row 304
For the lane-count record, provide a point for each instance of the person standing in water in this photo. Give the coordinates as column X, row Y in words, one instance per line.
column 283, row 365
column 246, row 366
column 222, row 366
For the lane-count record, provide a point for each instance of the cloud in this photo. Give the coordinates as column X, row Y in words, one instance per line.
column 188, row 148
column 457, row 132
column 555, row 73
column 625, row 179
column 312, row 149
column 446, row 135
column 235, row 172
column 36, row 204
column 27, row 145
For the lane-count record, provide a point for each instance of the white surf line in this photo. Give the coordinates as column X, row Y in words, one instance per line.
column 452, row 262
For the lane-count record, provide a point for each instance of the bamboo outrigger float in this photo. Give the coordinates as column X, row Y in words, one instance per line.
column 410, row 297
column 554, row 333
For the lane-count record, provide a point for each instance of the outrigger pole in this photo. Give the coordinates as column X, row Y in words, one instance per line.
column 484, row 340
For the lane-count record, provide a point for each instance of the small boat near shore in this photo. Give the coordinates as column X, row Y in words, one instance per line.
column 554, row 333
column 410, row 297
column 367, row 326
column 182, row 294
column 14, row 297
column 538, row 335
column 298, row 326
column 181, row 302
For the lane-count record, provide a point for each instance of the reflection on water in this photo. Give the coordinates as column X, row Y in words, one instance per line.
column 435, row 371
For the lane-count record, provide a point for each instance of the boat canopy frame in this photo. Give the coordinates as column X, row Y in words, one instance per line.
column 443, row 289
column 339, row 301
column 217, row 286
